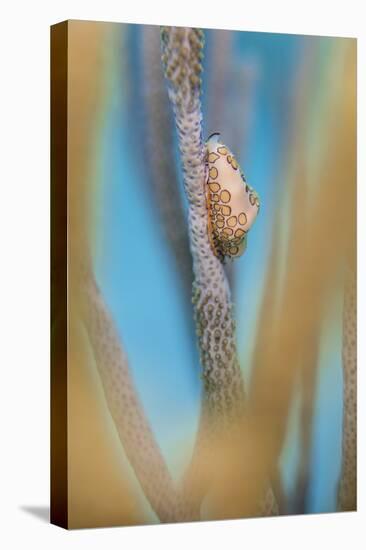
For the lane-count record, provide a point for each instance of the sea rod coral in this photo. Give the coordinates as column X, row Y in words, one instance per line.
column 223, row 396
column 347, row 492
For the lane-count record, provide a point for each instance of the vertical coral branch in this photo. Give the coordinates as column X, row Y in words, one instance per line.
column 308, row 378
column 223, row 385
column 182, row 54
column 347, row 494
column 160, row 155
column 219, row 81
column 223, row 398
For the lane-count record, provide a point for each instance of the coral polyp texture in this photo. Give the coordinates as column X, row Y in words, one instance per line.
column 347, row 490
column 181, row 56
column 223, row 397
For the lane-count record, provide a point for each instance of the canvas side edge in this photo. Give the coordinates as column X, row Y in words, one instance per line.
column 59, row 316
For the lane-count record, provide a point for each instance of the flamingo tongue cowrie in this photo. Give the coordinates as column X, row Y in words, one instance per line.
column 232, row 204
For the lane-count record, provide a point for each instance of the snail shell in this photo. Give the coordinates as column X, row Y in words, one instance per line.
column 232, row 204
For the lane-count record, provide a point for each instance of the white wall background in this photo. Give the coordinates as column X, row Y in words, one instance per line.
column 24, row 261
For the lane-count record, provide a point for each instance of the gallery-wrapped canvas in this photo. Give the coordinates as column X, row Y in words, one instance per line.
column 203, row 277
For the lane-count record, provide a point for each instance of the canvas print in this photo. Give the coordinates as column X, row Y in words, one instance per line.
column 203, row 308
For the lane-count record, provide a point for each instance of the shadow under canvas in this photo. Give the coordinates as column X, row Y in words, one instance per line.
column 40, row 512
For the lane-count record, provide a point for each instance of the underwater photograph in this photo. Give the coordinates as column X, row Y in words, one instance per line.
column 204, row 217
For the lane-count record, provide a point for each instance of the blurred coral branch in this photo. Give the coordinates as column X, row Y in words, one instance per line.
column 231, row 84
column 230, row 99
column 160, row 155
column 126, row 409
column 308, row 378
column 314, row 265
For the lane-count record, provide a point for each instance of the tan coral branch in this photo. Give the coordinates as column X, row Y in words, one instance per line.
column 223, row 397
